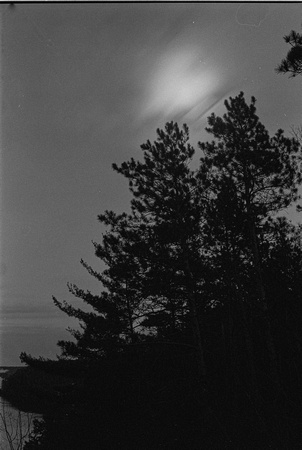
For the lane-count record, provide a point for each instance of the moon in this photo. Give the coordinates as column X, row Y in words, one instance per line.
column 180, row 83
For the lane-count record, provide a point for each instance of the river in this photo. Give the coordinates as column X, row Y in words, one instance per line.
column 15, row 425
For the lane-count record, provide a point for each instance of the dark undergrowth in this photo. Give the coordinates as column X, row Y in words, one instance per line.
column 152, row 400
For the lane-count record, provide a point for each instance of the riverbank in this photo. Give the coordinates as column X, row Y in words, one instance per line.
column 33, row 390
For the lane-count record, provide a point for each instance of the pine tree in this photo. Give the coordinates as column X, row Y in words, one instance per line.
column 169, row 197
column 116, row 310
column 293, row 62
column 229, row 284
column 265, row 173
column 282, row 267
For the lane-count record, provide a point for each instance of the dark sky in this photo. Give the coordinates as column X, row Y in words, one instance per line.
column 83, row 85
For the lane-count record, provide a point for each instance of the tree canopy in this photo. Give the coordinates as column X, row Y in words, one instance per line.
column 292, row 64
column 204, row 266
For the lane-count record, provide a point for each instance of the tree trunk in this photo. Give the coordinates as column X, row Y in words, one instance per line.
column 133, row 336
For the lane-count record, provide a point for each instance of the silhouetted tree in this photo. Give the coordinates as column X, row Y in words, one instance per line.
column 292, row 64
column 202, row 262
column 169, row 197
column 282, row 265
column 265, row 174
column 229, row 285
column 116, row 315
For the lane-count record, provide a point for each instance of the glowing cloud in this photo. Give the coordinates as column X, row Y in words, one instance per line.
column 181, row 83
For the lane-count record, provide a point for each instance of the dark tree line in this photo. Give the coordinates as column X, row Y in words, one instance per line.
column 203, row 275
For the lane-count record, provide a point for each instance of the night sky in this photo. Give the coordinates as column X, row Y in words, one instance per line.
column 83, row 85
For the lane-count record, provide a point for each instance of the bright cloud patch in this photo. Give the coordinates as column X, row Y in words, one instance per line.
column 181, row 83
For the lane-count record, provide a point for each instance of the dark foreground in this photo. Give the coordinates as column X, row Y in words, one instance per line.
column 150, row 400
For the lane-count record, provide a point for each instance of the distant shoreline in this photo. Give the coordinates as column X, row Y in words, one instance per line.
column 8, row 370
column 10, row 367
